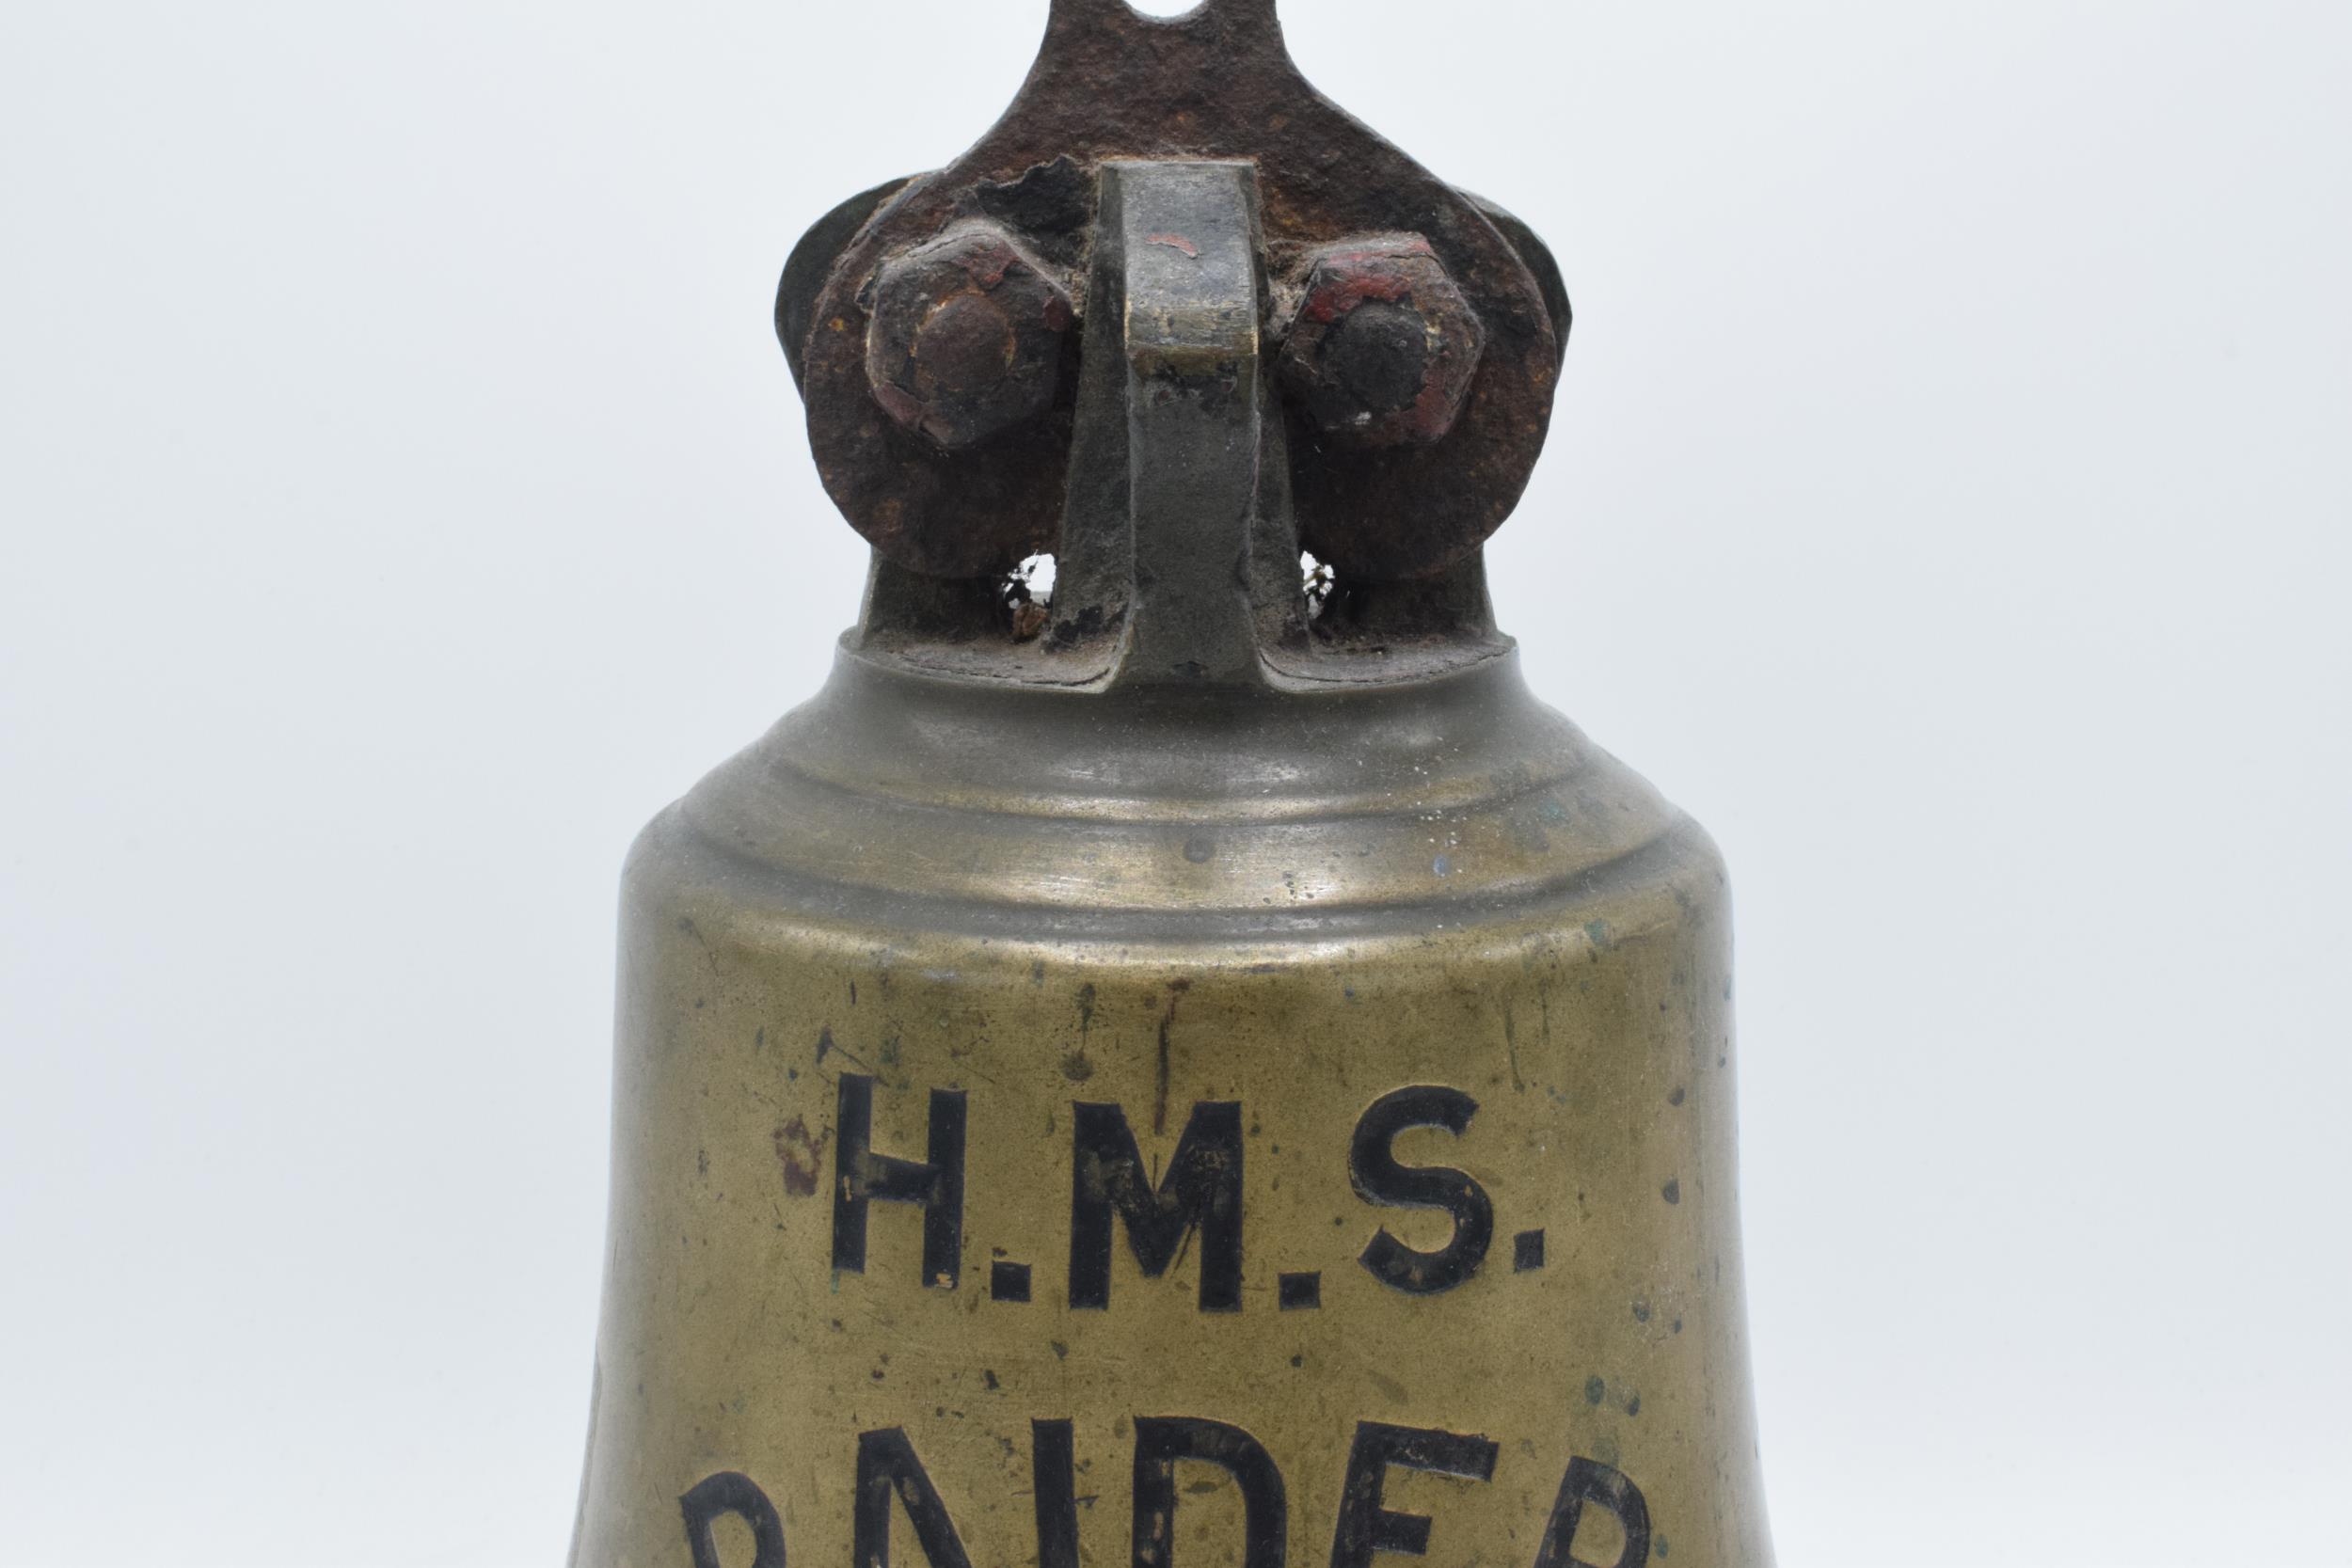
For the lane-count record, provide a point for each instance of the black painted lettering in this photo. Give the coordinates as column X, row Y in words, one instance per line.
column 1203, row 1188
column 1160, row 1442
column 1054, row 1483
column 861, row 1176
column 1588, row 1481
column 1378, row 1179
column 887, row 1469
column 1527, row 1251
column 730, row 1493
column 1365, row 1527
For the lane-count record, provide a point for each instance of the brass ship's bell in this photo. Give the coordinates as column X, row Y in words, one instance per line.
column 1198, row 1067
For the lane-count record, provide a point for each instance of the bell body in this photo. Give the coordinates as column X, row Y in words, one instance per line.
column 1173, row 1129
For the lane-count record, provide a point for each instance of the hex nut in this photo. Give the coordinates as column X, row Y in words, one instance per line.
column 1383, row 348
column 965, row 337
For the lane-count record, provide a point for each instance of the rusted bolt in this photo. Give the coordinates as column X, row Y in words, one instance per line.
column 966, row 335
column 1384, row 347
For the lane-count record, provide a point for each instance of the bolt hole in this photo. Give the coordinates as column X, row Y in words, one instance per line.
column 1317, row 581
column 1028, row 595
column 1165, row 11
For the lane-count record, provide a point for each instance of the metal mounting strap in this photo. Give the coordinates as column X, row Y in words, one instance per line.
column 1178, row 537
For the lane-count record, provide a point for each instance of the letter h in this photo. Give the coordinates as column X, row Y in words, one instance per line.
column 935, row 1186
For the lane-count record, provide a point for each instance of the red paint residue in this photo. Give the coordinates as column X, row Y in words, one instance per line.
column 800, row 1155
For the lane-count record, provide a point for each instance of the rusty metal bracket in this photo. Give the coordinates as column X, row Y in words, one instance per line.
column 938, row 327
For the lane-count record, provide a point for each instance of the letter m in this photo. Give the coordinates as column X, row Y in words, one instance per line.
column 1202, row 1190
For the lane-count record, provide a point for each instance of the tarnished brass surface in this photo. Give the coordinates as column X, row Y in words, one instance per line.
column 1179, row 1071
column 1263, row 936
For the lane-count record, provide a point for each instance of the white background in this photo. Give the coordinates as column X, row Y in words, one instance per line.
column 403, row 497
